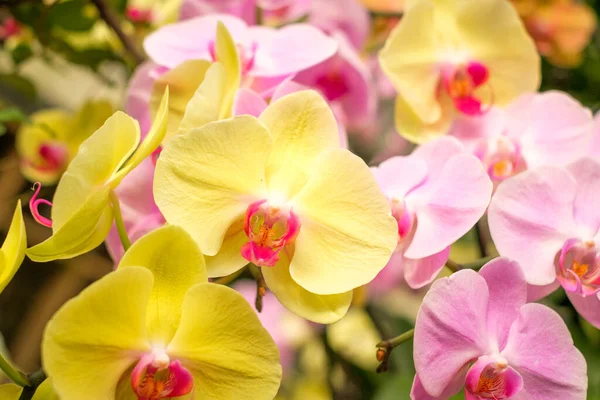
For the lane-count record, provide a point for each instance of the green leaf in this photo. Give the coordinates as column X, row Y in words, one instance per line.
column 21, row 53
column 13, row 114
column 73, row 15
column 19, row 84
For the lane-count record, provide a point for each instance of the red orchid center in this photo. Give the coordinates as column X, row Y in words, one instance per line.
column 269, row 230
column 139, row 15
column 501, row 156
column 578, row 267
column 333, row 85
column 247, row 55
column 460, row 83
column 9, row 27
column 54, row 156
column 403, row 217
column 156, row 377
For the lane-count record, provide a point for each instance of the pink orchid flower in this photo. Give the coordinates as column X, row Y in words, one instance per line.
column 268, row 56
column 436, row 194
column 346, row 82
column 244, row 9
column 347, row 16
column 476, row 330
column 287, row 329
column 139, row 91
column 548, row 220
column 548, row 128
column 139, row 211
column 595, row 144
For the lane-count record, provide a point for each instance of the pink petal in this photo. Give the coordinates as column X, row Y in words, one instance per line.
column 347, row 16
column 290, row 49
column 244, row 9
column 586, row 173
column 595, row 143
column 540, row 348
column 530, row 217
column 422, row 271
column 443, row 211
column 450, row 329
column 535, row 293
column 554, row 128
column 471, row 130
column 508, row 292
column 288, row 87
column 248, row 102
column 388, row 278
column 397, row 176
column 418, row 392
column 138, row 95
column 171, row 45
column 588, row 307
column 437, row 153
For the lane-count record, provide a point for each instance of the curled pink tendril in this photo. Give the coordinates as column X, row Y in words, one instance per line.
column 34, row 204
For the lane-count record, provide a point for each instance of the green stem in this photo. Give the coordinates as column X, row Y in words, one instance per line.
column 36, row 379
column 385, row 14
column 16, row 376
column 116, row 206
column 474, row 265
column 385, row 347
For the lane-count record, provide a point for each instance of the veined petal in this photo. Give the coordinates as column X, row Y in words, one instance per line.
column 410, row 59
column 206, row 178
column 174, row 258
column 223, row 344
column 347, row 232
column 540, row 348
column 414, row 129
column 13, row 248
column 183, row 82
column 95, row 337
column 83, row 231
column 226, row 53
column 494, row 35
column 229, row 258
column 323, row 309
column 89, row 118
column 155, row 136
column 302, row 126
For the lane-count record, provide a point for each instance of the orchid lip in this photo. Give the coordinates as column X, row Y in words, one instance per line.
column 461, row 81
column 156, row 377
column 34, row 204
column 578, row 267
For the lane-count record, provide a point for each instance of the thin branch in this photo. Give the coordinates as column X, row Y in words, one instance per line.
column 112, row 20
column 36, row 379
column 385, row 347
column 474, row 265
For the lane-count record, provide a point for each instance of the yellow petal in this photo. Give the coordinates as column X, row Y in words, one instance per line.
column 323, row 309
column 226, row 53
column 153, row 139
column 495, row 36
column 410, row 127
column 89, row 118
column 410, row 59
column 347, row 234
column 182, row 81
column 10, row 391
column 95, row 337
column 224, row 345
column 177, row 263
column 81, row 216
column 13, row 249
column 205, row 179
column 45, row 391
column 229, row 258
column 302, row 126
column 207, row 103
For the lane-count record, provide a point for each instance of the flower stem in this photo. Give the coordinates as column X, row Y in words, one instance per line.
column 474, row 265
column 35, row 379
column 226, row 280
column 385, row 347
column 261, row 286
column 16, row 376
column 116, row 206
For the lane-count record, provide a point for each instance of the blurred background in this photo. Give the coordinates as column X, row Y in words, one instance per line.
column 64, row 68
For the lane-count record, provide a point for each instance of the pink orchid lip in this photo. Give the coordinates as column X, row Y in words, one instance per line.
column 269, row 230
column 501, row 156
column 460, row 83
column 490, row 377
column 156, row 377
column 34, row 204
column 402, row 216
column 247, row 55
column 578, row 267
column 54, row 157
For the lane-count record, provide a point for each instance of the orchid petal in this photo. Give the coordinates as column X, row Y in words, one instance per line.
column 422, row 271
column 220, row 339
column 588, row 307
column 347, row 233
column 586, row 173
column 12, row 252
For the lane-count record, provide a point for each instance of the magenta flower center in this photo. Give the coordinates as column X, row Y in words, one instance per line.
column 54, row 156
column 578, row 267
column 461, row 81
column 492, row 378
column 247, row 54
column 156, row 377
column 333, row 85
column 403, row 217
column 269, row 230
column 501, row 157
column 139, row 15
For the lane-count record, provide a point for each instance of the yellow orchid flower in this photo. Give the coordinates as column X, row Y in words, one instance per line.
column 279, row 192
column 82, row 213
column 156, row 329
column 45, row 391
column 451, row 57
column 49, row 143
column 201, row 91
column 13, row 249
